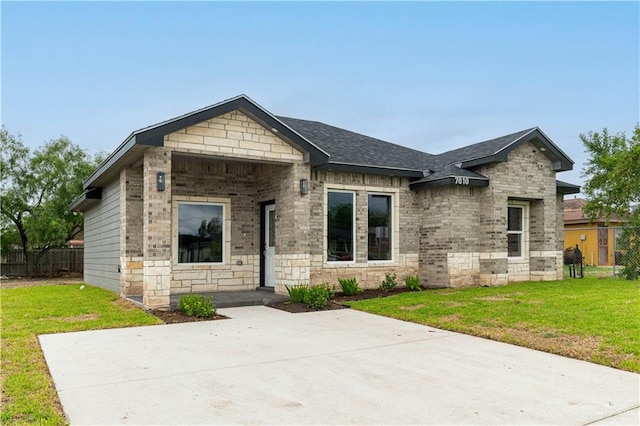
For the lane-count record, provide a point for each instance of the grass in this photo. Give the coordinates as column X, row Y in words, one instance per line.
column 28, row 393
column 596, row 320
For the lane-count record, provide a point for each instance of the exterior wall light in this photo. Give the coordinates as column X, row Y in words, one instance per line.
column 304, row 187
column 160, row 181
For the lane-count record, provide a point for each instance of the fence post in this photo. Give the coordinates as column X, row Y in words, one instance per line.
column 614, row 252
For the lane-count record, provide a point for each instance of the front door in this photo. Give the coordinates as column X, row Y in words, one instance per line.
column 269, row 245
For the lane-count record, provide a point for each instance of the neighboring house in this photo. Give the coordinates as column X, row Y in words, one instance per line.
column 595, row 239
column 231, row 197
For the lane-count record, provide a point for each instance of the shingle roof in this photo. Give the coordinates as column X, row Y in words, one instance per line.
column 346, row 147
column 483, row 149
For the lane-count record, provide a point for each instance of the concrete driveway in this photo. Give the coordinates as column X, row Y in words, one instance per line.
column 266, row 366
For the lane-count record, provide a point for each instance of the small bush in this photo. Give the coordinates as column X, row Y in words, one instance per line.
column 349, row 286
column 297, row 293
column 389, row 283
column 413, row 283
column 330, row 289
column 196, row 305
column 317, row 297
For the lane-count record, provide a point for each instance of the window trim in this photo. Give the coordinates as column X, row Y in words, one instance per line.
column 524, row 240
column 392, row 232
column 353, row 228
column 226, row 232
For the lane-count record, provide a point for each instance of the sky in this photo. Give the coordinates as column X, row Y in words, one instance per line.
column 432, row 76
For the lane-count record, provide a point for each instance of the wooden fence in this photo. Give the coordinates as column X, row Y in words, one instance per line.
column 52, row 263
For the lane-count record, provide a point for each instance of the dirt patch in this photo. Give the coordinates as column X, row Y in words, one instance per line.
column 587, row 348
column 451, row 318
column 456, row 304
column 494, row 298
column 175, row 317
column 340, row 301
column 412, row 307
column 83, row 317
column 16, row 282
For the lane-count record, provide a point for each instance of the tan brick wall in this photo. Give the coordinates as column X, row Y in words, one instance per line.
column 156, row 229
column 405, row 225
column 131, row 235
column 464, row 229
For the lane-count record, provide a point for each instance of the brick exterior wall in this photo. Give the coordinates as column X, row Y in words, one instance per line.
column 405, row 227
column 156, row 234
column 131, row 236
column 463, row 238
column 449, row 236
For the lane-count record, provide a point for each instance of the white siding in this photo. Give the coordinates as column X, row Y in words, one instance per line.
column 102, row 240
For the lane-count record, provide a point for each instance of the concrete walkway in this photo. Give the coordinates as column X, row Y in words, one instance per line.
column 265, row 366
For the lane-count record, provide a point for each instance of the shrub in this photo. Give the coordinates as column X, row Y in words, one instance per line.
column 297, row 293
column 413, row 283
column 349, row 286
column 196, row 305
column 317, row 297
column 330, row 289
column 389, row 283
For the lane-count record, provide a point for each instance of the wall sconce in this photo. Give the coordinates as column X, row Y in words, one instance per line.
column 160, row 181
column 304, row 187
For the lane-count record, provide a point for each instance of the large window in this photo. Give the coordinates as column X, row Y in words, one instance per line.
column 379, row 223
column 515, row 231
column 200, row 229
column 340, row 228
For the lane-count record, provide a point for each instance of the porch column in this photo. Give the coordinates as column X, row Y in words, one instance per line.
column 156, row 229
column 131, row 256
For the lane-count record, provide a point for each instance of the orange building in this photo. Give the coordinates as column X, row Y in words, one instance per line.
column 595, row 239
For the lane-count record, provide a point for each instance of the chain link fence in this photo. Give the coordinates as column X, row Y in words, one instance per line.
column 606, row 251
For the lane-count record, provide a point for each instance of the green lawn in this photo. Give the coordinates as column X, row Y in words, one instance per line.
column 593, row 319
column 28, row 394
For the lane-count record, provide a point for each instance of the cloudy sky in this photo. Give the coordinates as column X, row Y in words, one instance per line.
column 431, row 76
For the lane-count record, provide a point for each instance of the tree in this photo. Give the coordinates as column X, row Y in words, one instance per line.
column 613, row 186
column 36, row 189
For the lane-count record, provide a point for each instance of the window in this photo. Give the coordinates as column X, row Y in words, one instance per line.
column 379, row 223
column 200, row 229
column 340, row 226
column 515, row 231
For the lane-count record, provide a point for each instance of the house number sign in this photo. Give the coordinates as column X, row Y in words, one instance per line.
column 462, row 180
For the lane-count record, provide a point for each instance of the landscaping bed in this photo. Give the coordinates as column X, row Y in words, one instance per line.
column 340, row 301
column 176, row 317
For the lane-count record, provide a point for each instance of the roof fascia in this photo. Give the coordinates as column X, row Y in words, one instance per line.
column 154, row 135
column 565, row 188
column 562, row 161
column 450, row 181
column 86, row 200
column 112, row 159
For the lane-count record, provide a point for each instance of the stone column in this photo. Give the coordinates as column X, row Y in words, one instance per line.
column 156, row 229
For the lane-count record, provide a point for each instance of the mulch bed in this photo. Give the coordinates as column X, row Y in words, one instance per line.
column 175, row 317
column 339, row 302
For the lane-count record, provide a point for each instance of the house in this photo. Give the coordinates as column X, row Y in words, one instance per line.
column 232, row 197
column 595, row 239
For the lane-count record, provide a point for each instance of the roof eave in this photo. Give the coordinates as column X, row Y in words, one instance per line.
column 450, row 181
column 86, row 200
column 561, row 162
column 565, row 188
column 154, row 135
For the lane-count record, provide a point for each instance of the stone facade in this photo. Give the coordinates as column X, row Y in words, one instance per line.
column 449, row 235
